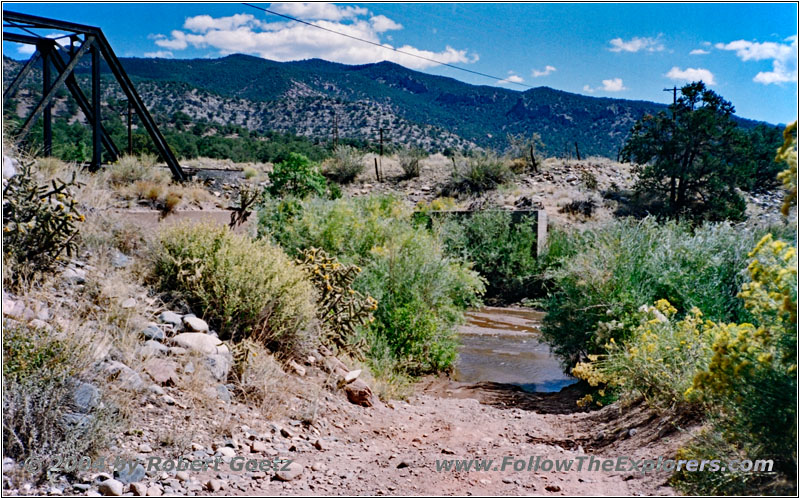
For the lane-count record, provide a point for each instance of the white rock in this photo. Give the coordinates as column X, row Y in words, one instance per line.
column 9, row 167
column 352, row 376
column 110, row 487
column 294, row 470
column 195, row 324
column 199, row 342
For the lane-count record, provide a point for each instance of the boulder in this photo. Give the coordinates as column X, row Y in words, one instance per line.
column 170, row 318
column 123, row 375
column 85, row 397
column 153, row 332
column 195, row 324
column 152, row 348
column 110, row 487
column 163, row 371
column 359, row 393
column 352, row 376
column 294, row 470
column 219, row 365
column 199, row 342
column 130, row 474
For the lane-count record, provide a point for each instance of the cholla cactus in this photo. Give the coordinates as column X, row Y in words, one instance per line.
column 341, row 308
column 38, row 220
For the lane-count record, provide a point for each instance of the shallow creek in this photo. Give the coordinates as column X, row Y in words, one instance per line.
column 503, row 345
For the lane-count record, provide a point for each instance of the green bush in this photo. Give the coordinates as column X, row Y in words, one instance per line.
column 245, row 288
column 39, row 376
column 616, row 269
column 345, row 164
column 39, row 221
column 409, row 160
column 296, row 176
column 421, row 293
column 477, row 173
column 501, row 251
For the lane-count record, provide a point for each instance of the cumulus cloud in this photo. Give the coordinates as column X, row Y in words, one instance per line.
column 613, row 85
column 699, row 52
column 25, row 49
column 318, row 11
column 159, row 54
column 382, row 24
column 512, row 78
column 547, row 70
column 610, row 85
column 783, row 56
column 290, row 41
column 637, row 44
column 691, row 74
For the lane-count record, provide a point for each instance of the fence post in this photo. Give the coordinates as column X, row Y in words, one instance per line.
column 541, row 232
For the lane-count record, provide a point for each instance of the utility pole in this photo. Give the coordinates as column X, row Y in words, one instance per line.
column 335, row 130
column 674, row 91
column 377, row 168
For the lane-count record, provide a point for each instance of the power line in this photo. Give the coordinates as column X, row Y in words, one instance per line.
column 388, row 48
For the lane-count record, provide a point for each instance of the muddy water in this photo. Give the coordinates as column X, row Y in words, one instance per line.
column 503, row 345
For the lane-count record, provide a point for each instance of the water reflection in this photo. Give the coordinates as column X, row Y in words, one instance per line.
column 502, row 345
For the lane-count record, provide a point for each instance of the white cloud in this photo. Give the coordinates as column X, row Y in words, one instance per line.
column 205, row 23
column 637, row 44
column 290, row 41
column 382, row 24
column 177, row 42
column 699, row 52
column 613, row 85
column 159, row 54
column 691, row 74
column 610, row 85
column 512, row 78
column 547, row 70
column 783, row 56
column 318, row 11
column 781, row 73
column 25, row 49
column 756, row 51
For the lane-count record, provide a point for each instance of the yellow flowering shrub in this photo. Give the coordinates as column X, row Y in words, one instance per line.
column 660, row 358
column 788, row 153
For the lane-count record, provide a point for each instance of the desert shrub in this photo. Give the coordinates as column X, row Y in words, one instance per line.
column 588, row 179
column 345, row 164
column 409, row 160
column 524, row 152
column 617, row 268
column 661, row 357
column 421, row 293
column 250, row 172
column 39, row 379
column 130, row 169
column 477, row 173
column 296, row 176
column 504, row 253
column 39, row 221
column 340, row 308
column 245, row 288
column 50, row 166
column 579, row 207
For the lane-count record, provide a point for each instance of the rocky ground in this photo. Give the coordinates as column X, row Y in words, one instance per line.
column 175, row 377
column 171, row 375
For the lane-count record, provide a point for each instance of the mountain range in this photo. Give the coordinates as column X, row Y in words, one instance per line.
column 315, row 97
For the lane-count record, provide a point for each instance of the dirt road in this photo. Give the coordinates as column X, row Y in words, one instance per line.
column 393, row 449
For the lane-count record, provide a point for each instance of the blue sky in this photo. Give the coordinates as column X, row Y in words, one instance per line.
column 746, row 52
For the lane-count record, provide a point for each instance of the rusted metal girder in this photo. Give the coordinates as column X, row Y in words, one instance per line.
column 95, row 42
